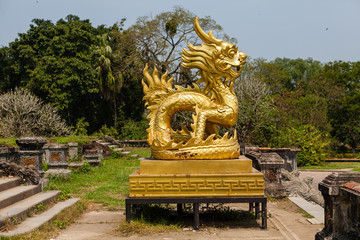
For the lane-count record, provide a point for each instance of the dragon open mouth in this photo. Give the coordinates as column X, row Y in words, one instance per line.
column 235, row 71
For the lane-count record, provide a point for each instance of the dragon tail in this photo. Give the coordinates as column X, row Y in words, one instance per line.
column 156, row 90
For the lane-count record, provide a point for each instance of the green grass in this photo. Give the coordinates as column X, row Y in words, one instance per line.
column 143, row 152
column 72, row 138
column 107, row 184
column 8, row 142
column 333, row 166
column 11, row 142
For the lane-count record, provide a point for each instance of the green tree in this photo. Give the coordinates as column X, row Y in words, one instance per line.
column 162, row 38
column 344, row 109
column 312, row 142
column 255, row 123
column 54, row 62
column 7, row 71
column 126, row 64
column 110, row 80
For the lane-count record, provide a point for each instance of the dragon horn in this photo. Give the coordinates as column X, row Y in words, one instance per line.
column 206, row 37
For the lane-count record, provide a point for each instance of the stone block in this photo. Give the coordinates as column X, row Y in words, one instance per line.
column 341, row 191
column 56, row 155
column 73, row 150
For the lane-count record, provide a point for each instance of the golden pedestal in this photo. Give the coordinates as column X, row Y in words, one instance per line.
column 196, row 178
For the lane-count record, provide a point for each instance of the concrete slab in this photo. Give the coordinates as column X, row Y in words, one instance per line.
column 35, row 222
column 315, row 210
column 94, row 231
column 102, row 217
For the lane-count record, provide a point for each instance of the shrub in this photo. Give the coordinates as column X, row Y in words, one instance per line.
column 134, row 130
column 105, row 130
column 24, row 114
column 81, row 127
column 310, row 140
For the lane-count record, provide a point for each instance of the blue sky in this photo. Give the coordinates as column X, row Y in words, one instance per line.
column 325, row 30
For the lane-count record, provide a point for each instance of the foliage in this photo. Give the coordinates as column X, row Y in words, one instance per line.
column 162, row 38
column 81, row 127
column 108, row 131
column 134, row 130
column 110, row 79
column 53, row 61
column 344, row 110
column 86, row 168
column 256, row 109
column 23, row 114
column 311, row 141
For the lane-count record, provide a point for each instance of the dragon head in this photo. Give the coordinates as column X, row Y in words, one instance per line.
column 214, row 56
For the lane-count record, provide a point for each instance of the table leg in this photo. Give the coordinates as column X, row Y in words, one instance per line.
column 179, row 209
column 251, row 207
column 196, row 216
column 264, row 215
column 128, row 211
column 257, row 209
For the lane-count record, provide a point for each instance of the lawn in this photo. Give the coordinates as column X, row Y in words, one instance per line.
column 143, row 152
column 107, row 184
column 340, row 165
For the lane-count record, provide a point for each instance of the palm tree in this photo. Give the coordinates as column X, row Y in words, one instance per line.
column 111, row 81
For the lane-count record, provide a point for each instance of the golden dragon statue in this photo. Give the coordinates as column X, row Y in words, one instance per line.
column 219, row 63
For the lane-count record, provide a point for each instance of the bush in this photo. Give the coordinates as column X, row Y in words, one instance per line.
column 309, row 139
column 108, row 131
column 134, row 130
column 24, row 114
column 81, row 127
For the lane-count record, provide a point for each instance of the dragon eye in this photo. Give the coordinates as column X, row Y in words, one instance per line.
column 232, row 53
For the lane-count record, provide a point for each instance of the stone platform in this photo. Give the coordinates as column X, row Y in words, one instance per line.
column 196, row 178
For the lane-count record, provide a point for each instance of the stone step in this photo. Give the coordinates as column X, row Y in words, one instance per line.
column 76, row 165
column 94, row 163
column 13, row 195
column 60, row 173
column 58, row 165
column 118, row 149
column 8, row 183
column 126, row 152
column 135, row 155
column 37, row 221
column 21, row 209
column 113, row 146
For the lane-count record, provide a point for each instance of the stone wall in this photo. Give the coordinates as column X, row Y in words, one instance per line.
column 341, row 193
